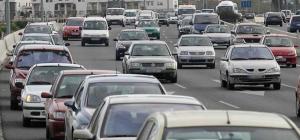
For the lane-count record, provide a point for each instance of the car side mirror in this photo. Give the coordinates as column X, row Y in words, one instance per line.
column 232, row 32
column 109, row 28
column 20, row 33
column 19, row 84
column 14, row 46
column 70, row 104
column 67, row 44
column 80, row 28
column 115, row 39
column 46, row 95
column 84, row 134
column 224, row 59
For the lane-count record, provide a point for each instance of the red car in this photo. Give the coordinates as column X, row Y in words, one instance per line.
column 71, row 28
column 63, row 89
column 250, row 32
column 283, row 49
column 28, row 56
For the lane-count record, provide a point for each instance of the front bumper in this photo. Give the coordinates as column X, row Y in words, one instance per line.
column 95, row 40
column 56, row 128
column 34, row 110
column 159, row 73
column 196, row 60
column 254, row 79
column 72, row 34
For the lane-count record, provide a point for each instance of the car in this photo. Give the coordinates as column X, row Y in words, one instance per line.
column 38, row 27
column 249, row 15
column 94, row 89
column 121, row 116
column 217, row 124
column 37, row 37
column 150, row 58
column 173, row 20
column 287, row 13
column 130, row 16
column 71, row 27
column 201, row 20
column 163, row 19
column 283, row 49
column 95, row 30
column 19, row 44
column 274, row 18
column 294, row 24
column 249, row 64
column 115, row 16
column 58, row 40
column 28, row 56
column 195, row 50
column 184, row 16
column 63, row 89
column 250, row 32
column 125, row 39
column 151, row 27
column 39, row 79
column 219, row 35
column 185, row 26
column 207, row 11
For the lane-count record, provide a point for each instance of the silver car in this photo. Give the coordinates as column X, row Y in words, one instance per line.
column 219, row 34
column 151, row 58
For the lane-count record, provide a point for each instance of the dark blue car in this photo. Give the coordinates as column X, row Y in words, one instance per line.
column 201, row 20
column 294, row 24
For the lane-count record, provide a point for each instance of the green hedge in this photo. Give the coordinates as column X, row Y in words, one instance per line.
column 15, row 25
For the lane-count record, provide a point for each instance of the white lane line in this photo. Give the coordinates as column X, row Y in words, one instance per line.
column 298, row 65
column 228, row 104
column 181, row 86
column 285, row 85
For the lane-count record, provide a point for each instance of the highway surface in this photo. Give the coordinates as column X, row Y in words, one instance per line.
column 198, row 82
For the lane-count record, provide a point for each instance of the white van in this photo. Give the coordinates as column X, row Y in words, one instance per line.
column 95, row 31
column 130, row 16
column 115, row 16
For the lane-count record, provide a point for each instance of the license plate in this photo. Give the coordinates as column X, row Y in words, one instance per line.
column 74, row 33
column 94, row 38
column 197, row 58
column 153, row 70
column 256, row 76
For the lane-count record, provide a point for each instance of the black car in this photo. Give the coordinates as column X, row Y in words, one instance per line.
column 249, row 15
column 163, row 19
column 274, row 18
column 185, row 26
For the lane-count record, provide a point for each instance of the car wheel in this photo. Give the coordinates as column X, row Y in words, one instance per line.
column 267, row 85
column 223, row 82
column 229, row 85
column 118, row 56
column 158, row 37
column 107, row 44
column 294, row 65
column 267, row 25
column 26, row 122
column 179, row 66
column 82, row 43
column 173, row 79
column 13, row 104
column 277, row 86
column 281, row 25
column 65, row 38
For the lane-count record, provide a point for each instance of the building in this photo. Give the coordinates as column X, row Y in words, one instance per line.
column 12, row 4
column 23, row 8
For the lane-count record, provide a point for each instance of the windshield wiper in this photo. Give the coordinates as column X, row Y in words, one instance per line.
column 259, row 58
column 65, row 96
column 121, row 135
column 39, row 83
column 239, row 59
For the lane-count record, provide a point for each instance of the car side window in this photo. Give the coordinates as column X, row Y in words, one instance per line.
column 96, row 117
column 146, row 130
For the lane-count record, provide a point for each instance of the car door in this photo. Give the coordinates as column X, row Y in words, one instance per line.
column 224, row 63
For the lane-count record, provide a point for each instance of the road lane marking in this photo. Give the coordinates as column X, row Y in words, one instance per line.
column 285, row 85
column 258, row 93
column 181, row 86
column 228, row 104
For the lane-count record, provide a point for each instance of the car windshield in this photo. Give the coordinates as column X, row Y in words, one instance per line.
column 45, row 29
column 58, row 40
column 217, row 29
column 149, row 23
column 125, row 120
column 251, row 53
column 96, row 92
column 74, row 22
column 150, row 50
column 68, row 85
column 114, row 11
column 28, row 58
column 133, row 35
column 46, row 75
column 229, row 133
column 250, row 29
column 195, row 41
column 130, row 14
column 95, row 25
column 37, row 38
column 278, row 42
column 186, row 11
column 206, row 19
column 207, row 11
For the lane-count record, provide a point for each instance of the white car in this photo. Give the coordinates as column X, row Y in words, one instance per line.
column 95, row 30
column 195, row 49
column 121, row 116
column 219, row 35
column 249, row 64
column 115, row 16
column 130, row 16
column 40, row 79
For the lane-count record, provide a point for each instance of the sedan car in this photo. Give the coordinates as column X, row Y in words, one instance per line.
column 185, row 26
column 195, row 50
column 250, row 32
column 283, row 49
column 151, row 27
column 163, row 19
column 125, row 39
column 40, row 79
column 219, row 34
column 120, row 117
column 151, row 58
column 63, row 89
column 218, row 125
column 71, row 27
column 38, row 37
column 94, row 89
column 28, row 56
column 294, row 24
column 249, row 64
column 274, row 18
column 38, row 27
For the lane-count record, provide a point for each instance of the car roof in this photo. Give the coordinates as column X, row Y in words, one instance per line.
column 146, row 98
column 132, row 30
column 36, row 34
column 194, row 35
column 57, row 65
column 206, row 14
column 248, row 45
column 117, row 77
column 90, row 72
column 79, row 18
column 43, row 47
column 34, row 41
column 38, row 23
column 94, row 18
column 149, row 42
column 225, row 118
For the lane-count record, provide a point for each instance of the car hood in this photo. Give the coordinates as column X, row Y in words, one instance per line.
column 218, row 35
column 59, row 104
column 119, row 138
column 112, row 17
column 151, row 59
column 282, row 50
column 249, row 36
column 256, row 64
column 196, row 48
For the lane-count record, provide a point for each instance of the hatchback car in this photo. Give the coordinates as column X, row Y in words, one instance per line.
column 249, row 64
column 40, row 79
column 274, row 18
column 38, row 27
column 283, row 49
column 250, row 32
column 125, row 39
column 151, row 27
column 219, row 34
column 218, row 125
column 121, row 116
column 94, row 89
column 151, row 58
column 195, row 50
column 71, row 27
column 63, row 89
column 28, row 56
column 37, row 37
column 294, row 24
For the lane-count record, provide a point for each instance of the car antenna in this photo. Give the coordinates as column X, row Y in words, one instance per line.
column 228, row 119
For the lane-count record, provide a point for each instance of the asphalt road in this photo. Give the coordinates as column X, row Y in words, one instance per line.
column 198, row 82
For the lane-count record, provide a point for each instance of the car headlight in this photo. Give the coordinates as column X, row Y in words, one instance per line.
column 32, row 99
column 135, row 65
column 238, row 70
column 184, row 53
column 59, row 115
column 209, row 53
column 170, row 65
column 273, row 70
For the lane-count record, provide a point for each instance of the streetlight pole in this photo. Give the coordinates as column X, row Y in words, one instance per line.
column 7, row 16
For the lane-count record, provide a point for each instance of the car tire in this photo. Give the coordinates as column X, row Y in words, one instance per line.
column 118, row 56
column 277, row 86
column 107, row 44
column 82, row 43
column 294, row 65
column 13, row 104
column 229, row 85
column 179, row 66
column 65, row 38
column 223, row 82
column 267, row 25
column 173, row 79
column 158, row 37
column 281, row 25
column 26, row 122
column 267, row 85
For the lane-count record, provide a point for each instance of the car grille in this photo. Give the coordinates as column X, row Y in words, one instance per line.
column 252, row 40
column 252, row 70
column 153, row 64
column 266, row 78
column 197, row 53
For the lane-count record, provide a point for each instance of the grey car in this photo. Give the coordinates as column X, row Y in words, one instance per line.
column 185, row 26
column 219, row 34
column 151, row 58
